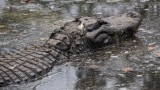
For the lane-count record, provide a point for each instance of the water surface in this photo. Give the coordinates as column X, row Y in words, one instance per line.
column 128, row 66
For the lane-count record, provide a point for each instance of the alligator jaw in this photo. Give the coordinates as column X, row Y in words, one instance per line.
column 119, row 27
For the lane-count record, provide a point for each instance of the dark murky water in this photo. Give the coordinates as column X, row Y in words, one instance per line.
column 133, row 65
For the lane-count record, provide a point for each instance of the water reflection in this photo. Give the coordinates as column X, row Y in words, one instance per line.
column 2, row 5
column 90, row 78
column 88, row 7
column 104, row 71
column 78, row 8
column 152, row 80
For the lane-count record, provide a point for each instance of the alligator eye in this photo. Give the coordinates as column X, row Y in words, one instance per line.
column 54, row 33
column 61, row 46
column 90, row 28
column 106, row 40
column 86, row 19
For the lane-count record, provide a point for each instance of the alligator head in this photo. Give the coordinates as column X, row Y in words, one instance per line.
column 115, row 28
column 89, row 33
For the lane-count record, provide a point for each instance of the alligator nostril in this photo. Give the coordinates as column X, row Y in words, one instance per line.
column 86, row 19
column 101, row 22
column 52, row 35
column 61, row 28
column 132, row 15
column 90, row 28
column 78, row 45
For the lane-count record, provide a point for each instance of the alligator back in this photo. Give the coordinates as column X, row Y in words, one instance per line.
column 18, row 66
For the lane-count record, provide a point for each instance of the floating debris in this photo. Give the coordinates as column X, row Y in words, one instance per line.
column 94, row 66
column 127, row 69
column 150, row 44
column 140, row 75
column 146, row 9
column 126, row 52
column 142, row 29
column 108, row 52
column 25, row 14
column 114, row 56
column 14, row 31
column 79, row 0
column 3, row 33
column 3, row 43
column 113, row 0
column 44, row 39
column 2, row 26
column 144, row 0
column 134, row 41
column 157, row 53
column 25, row 1
column 158, row 68
column 151, row 48
column 122, row 75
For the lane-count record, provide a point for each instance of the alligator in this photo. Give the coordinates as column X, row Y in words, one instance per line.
column 74, row 37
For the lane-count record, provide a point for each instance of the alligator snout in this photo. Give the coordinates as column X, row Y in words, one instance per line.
column 108, row 30
column 99, row 36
